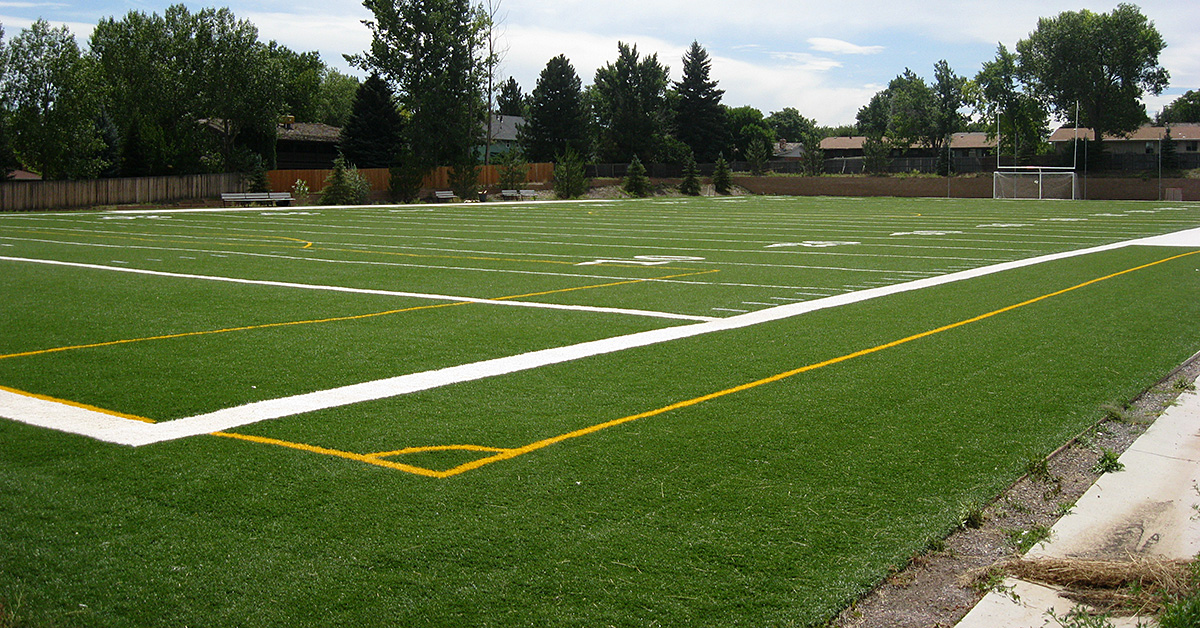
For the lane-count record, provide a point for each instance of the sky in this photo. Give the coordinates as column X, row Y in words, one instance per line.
column 824, row 58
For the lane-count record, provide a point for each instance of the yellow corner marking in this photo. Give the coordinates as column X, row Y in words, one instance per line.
column 369, row 459
column 73, row 404
column 421, row 450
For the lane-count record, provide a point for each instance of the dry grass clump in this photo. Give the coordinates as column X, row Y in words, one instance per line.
column 1135, row 586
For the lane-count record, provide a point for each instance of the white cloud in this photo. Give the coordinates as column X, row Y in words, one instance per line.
column 805, row 62
column 837, row 46
column 331, row 35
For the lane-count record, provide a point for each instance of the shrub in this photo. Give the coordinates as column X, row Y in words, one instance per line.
column 464, row 179
column 405, row 178
column 513, row 169
column 345, row 186
column 636, row 183
column 722, row 177
column 300, row 191
column 569, row 177
column 691, row 177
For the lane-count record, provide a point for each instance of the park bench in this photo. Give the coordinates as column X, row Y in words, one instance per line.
column 518, row 194
column 444, row 195
column 279, row 199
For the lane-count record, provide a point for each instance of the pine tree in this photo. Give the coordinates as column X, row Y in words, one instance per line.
column 690, row 185
column 636, row 183
column 557, row 116
column 1169, row 149
column 722, row 177
column 510, row 101
column 630, row 106
column 371, row 136
column 758, row 154
column 699, row 117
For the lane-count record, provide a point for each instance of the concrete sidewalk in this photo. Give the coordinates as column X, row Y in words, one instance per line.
column 1147, row 510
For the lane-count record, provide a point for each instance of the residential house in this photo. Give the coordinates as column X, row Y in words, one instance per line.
column 1144, row 141
column 306, row 145
column 504, row 135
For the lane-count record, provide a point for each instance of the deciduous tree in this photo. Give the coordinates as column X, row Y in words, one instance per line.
column 48, row 88
column 432, row 52
column 1009, row 108
column 1101, row 62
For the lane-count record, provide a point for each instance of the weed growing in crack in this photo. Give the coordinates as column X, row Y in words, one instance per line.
column 1025, row 540
column 1079, row 617
column 1109, row 462
column 993, row 580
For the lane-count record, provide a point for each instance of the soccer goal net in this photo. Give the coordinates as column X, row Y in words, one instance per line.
column 1037, row 183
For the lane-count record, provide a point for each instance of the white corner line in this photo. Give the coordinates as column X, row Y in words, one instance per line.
column 101, row 426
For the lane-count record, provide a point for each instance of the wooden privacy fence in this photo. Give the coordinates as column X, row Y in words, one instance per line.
column 380, row 178
column 41, row 195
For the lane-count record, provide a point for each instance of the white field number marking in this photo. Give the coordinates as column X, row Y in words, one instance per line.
column 925, row 233
column 818, row 244
column 645, row 260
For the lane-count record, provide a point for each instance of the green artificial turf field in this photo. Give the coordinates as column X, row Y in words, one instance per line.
column 760, row 475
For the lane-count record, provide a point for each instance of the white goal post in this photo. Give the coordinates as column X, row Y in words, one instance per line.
column 1034, row 182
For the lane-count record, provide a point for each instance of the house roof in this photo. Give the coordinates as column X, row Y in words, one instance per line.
column 958, row 140
column 504, row 128
column 843, row 143
column 1143, row 134
column 309, row 132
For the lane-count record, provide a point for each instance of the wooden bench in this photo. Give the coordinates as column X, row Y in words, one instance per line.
column 444, row 195
column 518, row 194
column 279, row 199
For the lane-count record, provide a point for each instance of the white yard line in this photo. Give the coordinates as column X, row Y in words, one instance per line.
column 106, row 427
column 391, row 293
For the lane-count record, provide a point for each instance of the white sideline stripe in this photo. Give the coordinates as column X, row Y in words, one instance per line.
column 100, row 426
column 391, row 293
column 1188, row 238
column 69, row 418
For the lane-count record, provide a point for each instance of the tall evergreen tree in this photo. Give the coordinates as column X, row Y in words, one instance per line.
column 511, row 100
column 557, row 117
column 372, row 135
column 629, row 101
column 699, row 117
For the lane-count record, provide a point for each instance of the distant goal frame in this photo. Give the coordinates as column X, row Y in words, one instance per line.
column 1035, row 182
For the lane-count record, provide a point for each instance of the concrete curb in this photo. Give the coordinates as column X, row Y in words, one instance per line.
column 1147, row 510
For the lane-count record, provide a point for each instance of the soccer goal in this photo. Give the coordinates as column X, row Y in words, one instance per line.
column 1037, row 182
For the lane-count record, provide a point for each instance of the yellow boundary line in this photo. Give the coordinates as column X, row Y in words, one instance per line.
column 331, row 319
column 508, row 454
